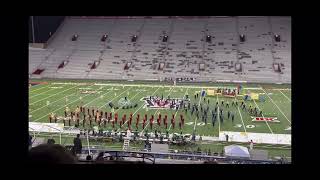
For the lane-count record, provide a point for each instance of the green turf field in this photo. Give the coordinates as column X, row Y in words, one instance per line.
column 277, row 104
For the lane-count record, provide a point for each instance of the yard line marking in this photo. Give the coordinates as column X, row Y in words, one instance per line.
column 45, row 86
column 132, row 98
column 99, row 97
column 59, row 108
column 108, row 91
column 60, row 100
column 55, row 94
column 263, row 116
column 137, row 110
column 85, row 105
column 43, row 92
column 276, row 105
column 181, row 86
column 115, row 97
column 242, row 120
column 156, row 111
column 177, row 111
column 285, row 96
column 195, row 120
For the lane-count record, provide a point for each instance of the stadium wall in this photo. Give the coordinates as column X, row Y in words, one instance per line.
column 43, row 25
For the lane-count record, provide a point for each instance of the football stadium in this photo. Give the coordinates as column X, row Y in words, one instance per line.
column 161, row 89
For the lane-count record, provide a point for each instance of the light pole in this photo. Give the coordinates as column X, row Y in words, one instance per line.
column 32, row 29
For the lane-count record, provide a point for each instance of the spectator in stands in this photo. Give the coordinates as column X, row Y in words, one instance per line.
column 77, row 148
column 51, row 154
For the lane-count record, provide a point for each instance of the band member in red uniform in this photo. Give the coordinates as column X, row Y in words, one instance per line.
column 137, row 124
column 113, row 124
column 101, row 114
column 106, row 115
column 110, row 115
column 144, row 120
column 159, row 117
column 138, row 118
column 130, row 115
column 165, row 119
column 143, row 124
column 173, row 123
column 116, row 118
column 166, row 124
column 100, row 117
column 151, row 122
column 145, row 116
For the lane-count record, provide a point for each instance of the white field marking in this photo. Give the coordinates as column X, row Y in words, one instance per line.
column 263, row 116
column 285, row 96
column 137, row 110
column 132, row 98
column 177, row 111
column 60, row 108
column 172, row 87
column 45, row 86
column 242, row 120
column 115, row 97
column 54, row 94
column 59, row 100
column 195, row 120
column 283, row 89
column 144, row 85
column 277, row 106
column 109, row 91
column 43, row 92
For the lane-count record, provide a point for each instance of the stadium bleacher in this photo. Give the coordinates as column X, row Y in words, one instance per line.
column 186, row 48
